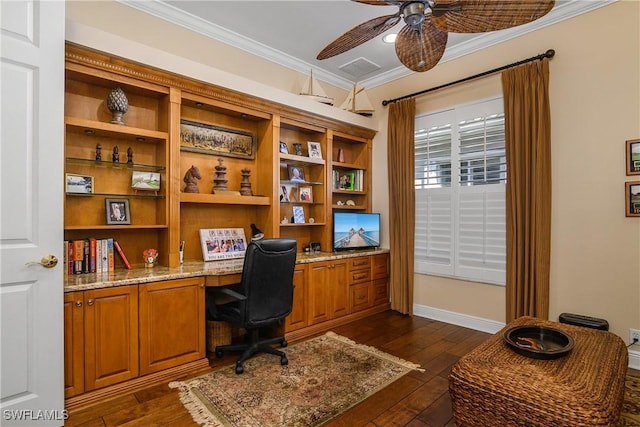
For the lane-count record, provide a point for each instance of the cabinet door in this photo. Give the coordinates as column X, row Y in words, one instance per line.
column 319, row 292
column 73, row 344
column 339, row 285
column 298, row 317
column 172, row 324
column 111, row 336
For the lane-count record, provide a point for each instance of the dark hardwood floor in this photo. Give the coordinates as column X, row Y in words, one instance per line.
column 417, row 399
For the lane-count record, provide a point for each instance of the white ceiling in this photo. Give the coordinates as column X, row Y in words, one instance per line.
column 291, row 33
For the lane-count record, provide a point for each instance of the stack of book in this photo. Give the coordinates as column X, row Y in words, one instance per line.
column 92, row 256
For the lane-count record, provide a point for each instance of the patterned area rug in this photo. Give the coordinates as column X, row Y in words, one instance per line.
column 325, row 376
column 630, row 415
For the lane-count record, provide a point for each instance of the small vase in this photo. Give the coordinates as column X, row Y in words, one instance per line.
column 118, row 104
column 149, row 264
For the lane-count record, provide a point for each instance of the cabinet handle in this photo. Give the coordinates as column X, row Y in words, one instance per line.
column 90, row 302
column 78, row 303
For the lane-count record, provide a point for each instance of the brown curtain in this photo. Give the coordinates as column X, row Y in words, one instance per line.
column 528, row 198
column 400, row 155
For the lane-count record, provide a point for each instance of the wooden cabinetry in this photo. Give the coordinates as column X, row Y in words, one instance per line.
column 172, row 322
column 298, row 317
column 328, row 291
column 361, row 295
column 101, row 338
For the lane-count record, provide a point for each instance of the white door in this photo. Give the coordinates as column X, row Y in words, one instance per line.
column 31, row 205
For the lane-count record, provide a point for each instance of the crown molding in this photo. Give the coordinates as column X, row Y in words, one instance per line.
column 563, row 10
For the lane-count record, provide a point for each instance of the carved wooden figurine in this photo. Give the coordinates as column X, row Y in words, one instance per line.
column 116, row 155
column 191, row 178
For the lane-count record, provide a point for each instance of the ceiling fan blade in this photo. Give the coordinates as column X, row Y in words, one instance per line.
column 421, row 49
column 358, row 35
column 479, row 16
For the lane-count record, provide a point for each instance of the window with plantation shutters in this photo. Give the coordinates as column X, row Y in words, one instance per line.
column 460, row 176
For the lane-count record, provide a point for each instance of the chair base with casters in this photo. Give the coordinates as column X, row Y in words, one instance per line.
column 253, row 346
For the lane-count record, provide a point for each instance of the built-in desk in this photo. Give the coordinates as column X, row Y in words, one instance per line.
column 130, row 329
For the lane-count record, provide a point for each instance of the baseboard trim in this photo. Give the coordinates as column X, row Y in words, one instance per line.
column 464, row 320
column 486, row 325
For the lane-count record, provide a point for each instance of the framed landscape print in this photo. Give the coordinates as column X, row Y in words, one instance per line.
column 632, row 198
column 145, row 181
column 633, row 157
column 79, row 184
column 209, row 139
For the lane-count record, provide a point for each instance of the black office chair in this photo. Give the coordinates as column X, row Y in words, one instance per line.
column 264, row 297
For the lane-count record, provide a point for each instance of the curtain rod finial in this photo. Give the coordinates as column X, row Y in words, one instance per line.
column 550, row 53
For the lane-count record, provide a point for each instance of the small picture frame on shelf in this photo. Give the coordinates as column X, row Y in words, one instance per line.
column 633, row 157
column 347, row 180
column 284, row 193
column 296, row 174
column 305, row 194
column 222, row 243
column 298, row 215
column 284, row 148
column 315, row 151
column 145, row 181
column 117, row 211
column 632, row 198
column 79, row 184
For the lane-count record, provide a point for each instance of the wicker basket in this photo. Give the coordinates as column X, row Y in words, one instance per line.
column 494, row 386
column 221, row 333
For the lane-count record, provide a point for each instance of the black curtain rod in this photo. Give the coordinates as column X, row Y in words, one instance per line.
column 548, row 54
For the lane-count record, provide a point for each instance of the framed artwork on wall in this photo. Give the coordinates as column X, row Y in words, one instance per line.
column 632, row 198
column 633, row 157
column 209, row 139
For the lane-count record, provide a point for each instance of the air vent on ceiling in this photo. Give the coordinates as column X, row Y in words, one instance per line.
column 359, row 67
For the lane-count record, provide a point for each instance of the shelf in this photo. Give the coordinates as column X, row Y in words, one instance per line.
column 224, row 199
column 145, row 194
column 354, row 192
column 339, row 165
column 114, row 165
column 351, row 208
column 110, row 130
column 305, row 224
column 298, row 183
column 300, row 160
column 116, row 227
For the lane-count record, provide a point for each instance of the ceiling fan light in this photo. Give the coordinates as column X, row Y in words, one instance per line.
column 413, row 14
column 390, row 38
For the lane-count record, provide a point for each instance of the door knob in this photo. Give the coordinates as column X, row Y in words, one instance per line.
column 47, row 261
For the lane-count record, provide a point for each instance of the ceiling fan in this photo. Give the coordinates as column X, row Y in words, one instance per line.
column 422, row 41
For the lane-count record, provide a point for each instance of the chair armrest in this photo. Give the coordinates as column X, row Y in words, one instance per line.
column 231, row 293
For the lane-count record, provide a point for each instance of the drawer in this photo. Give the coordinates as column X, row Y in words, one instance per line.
column 380, row 266
column 359, row 263
column 380, row 291
column 360, row 297
column 358, row 276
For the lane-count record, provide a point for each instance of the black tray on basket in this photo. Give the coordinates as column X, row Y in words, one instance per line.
column 538, row 342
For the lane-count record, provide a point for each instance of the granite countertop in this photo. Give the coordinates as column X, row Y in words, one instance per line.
column 135, row 276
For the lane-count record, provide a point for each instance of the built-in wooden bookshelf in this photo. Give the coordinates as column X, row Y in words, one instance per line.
column 158, row 103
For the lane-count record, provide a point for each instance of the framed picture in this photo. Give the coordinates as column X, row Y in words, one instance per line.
column 283, row 148
column 347, row 180
column 305, row 194
column 298, row 215
column 222, row 243
column 79, row 184
column 315, row 151
column 117, row 211
column 632, row 198
column 633, row 157
column 296, row 174
column 208, row 139
column 145, row 181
